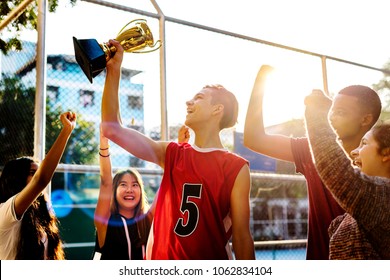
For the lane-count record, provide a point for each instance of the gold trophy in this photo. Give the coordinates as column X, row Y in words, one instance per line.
column 134, row 37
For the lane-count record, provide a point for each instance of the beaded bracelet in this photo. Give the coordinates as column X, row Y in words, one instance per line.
column 104, row 148
column 103, row 155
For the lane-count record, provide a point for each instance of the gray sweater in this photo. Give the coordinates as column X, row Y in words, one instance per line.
column 364, row 231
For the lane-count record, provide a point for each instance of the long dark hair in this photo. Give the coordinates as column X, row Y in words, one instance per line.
column 141, row 214
column 36, row 220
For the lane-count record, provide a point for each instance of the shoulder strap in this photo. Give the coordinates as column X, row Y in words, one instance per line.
column 127, row 237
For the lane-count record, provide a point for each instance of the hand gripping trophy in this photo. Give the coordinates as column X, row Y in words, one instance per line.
column 134, row 37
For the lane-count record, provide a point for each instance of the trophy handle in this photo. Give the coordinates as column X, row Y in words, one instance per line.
column 133, row 39
column 130, row 22
column 140, row 29
column 159, row 43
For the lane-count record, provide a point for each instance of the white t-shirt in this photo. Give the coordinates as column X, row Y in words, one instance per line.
column 9, row 230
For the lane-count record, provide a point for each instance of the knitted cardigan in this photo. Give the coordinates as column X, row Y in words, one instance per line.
column 364, row 231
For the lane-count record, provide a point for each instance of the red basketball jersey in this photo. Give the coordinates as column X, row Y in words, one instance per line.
column 193, row 204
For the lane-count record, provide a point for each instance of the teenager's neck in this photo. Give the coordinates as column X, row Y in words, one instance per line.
column 127, row 214
column 350, row 144
column 383, row 172
column 208, row 140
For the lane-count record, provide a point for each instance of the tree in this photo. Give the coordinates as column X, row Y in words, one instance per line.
column 383, row 88
column 17, row 119
column 82, row 144
column 28, row 19
column 17, row 126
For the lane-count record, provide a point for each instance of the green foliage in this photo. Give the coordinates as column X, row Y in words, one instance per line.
column 17, row 119
column 82, row 144
column 27, row 20
column 17, row 126
column 383, row 88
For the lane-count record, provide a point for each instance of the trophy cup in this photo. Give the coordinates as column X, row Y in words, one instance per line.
column 134, row 37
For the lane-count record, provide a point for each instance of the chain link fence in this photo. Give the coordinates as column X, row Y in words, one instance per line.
column 278, row 195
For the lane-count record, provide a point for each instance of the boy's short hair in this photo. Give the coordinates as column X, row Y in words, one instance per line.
column 222, row 96
column 367, row 98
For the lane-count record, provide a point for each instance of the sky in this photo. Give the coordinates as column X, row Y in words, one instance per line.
column 351, row 30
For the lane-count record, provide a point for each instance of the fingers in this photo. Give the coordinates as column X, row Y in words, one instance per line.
column 185, row 131
column 184, row 134
column 116, row 44
column 183, row 128
column 265, row 68
column 68, row 119
column 71, row 116
column 117, row 56
column 317, row 91
column 264, row 71
column 317, row 99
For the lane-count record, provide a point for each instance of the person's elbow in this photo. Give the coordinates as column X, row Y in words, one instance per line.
column 253, row 138
column 110, row 129
column 249, row 141
column 246, row 141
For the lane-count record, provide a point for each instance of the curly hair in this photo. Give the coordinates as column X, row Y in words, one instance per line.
column 381, row 134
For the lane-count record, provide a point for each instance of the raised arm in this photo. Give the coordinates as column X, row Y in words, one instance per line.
column 45, row 171
column 255, row 137
column 102, row 211
column 240, row 210
column 364, row 197
column 131, row 140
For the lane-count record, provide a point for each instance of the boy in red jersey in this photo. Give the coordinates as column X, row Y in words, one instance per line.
column 203, row 199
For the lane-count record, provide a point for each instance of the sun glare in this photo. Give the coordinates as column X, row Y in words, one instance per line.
column 285, row 91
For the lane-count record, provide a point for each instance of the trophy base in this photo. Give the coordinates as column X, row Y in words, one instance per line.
column 90, row 57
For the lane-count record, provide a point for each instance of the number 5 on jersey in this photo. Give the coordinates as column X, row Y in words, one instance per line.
column 185, row 229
